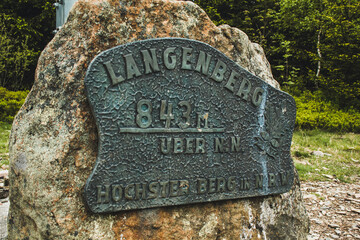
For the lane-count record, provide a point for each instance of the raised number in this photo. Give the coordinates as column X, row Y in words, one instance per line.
column 143, row 117
column 186, row 114
column 169, row 116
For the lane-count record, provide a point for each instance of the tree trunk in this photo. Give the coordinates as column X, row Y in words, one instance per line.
column 319, row 60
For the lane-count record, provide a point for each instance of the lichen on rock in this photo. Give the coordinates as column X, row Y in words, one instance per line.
column 53, row 143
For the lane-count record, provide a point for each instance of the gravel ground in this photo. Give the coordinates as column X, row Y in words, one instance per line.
column 333, row 208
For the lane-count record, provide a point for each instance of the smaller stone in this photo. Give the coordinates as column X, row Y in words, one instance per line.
column 317, row 221
column 310, row 196
column 4, row 193
column 318, row 153
column 334, row 236
column 352, row 200
column 355, row 210
column 328, row 176
column 4, row 174
column 338, row 232
column 333, row 225
column 313, row 237
column 341, row 212
column 355, row 226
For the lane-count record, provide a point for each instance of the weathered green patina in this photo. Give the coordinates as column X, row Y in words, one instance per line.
column 180, row 123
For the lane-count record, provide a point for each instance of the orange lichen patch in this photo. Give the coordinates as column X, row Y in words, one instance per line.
column 83, row 218
column 125, row 226
column 78, row 161
column 67, row 223
column 68, row 190
column 162, row 224
column 70, row 223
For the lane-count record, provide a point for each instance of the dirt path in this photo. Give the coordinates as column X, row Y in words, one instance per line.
column 333, row 208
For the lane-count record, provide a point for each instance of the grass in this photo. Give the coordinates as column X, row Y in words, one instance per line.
column 4, row 140
column 341, row 160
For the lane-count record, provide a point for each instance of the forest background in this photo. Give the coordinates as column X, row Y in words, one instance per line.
column 313, row 47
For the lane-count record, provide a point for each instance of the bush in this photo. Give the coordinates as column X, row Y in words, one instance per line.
column 10, row 103
column 16, row 55
column 25, row 28
column 313, row 112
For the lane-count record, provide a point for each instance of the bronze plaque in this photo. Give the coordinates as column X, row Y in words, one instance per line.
column 180, row 123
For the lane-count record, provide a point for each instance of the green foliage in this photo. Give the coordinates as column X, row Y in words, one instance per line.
column 25, row 28
column 313, row 111
column 253, row 17
column 324, row 38
column 15, row 56
column 212, row 8
column 10, row 103
column 311, row 44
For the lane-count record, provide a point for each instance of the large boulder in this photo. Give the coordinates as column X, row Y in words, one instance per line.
column 53, row 143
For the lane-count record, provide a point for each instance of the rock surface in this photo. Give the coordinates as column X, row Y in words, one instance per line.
column 53, row 144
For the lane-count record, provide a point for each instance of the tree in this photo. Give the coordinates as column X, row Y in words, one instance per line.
column 254, row 17
column 311, row 44
column 324, row 38
column 341, row 51
column 25, row 28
